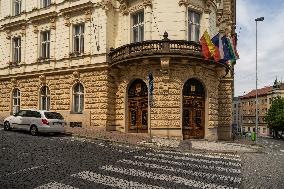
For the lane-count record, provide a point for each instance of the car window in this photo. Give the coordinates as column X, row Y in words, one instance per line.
column 29, row 113
column 53, row 115
column 36, row 114
column 21, row 113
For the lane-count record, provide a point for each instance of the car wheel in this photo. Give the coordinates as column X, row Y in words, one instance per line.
column 34, row 130
column 7, row 126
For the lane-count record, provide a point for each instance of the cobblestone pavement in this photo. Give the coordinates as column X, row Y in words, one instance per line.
column 59, row 161
column 266, row 169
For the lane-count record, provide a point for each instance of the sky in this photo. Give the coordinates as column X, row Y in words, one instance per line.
column 270, row 47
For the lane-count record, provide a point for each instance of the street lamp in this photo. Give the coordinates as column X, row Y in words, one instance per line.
column 256, row 100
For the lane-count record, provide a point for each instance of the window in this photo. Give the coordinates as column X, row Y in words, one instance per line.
column 138, row 27
column 45, row 44
column 78, row 38
column 193, row 26
column 248, row 128
column 44, row 98
column 264, row 130
column 78, row 98
column 45, row 3
column 16, row 100
column 17, row 49
column 17, row 5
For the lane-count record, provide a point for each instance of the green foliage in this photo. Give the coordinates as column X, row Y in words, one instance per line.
column 275, row 115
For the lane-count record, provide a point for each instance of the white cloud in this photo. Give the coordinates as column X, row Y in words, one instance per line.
column 270, row 44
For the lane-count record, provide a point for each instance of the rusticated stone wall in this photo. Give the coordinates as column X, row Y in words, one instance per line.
column 166, row 114
column 98, row 106
column 225, row 108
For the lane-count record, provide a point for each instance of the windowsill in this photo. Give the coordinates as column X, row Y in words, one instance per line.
column 72, row 112
column 76, row 54
column 44, row 60
column 15, row 64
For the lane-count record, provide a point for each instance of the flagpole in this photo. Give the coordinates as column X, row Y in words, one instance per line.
column 256, row 78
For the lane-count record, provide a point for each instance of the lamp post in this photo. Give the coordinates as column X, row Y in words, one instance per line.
column 256, row 99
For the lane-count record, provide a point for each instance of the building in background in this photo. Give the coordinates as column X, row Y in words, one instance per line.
column 246, row 116
column 90, row 60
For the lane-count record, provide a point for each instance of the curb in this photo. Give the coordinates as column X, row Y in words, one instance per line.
column 154, row 146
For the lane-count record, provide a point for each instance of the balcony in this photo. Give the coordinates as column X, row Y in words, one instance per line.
column 160, row 48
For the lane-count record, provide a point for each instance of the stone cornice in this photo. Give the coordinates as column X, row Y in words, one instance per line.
column 77, row 8
column 57, row 71
column 45, row 16
column 105, row 5
column 13, row 25
column 126, row 8
column 17, row 25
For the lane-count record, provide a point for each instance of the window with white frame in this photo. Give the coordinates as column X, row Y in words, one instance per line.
column 138, row 27
column 17, row 49
column 17, row 7
column 78, row 98
column 45, row 3
column 44, row 98
column 193, row 26
column 16, row 100
column 45, row 44
column 78, row 38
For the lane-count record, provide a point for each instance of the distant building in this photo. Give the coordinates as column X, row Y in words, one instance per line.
column 244, row 108
column 237, row 114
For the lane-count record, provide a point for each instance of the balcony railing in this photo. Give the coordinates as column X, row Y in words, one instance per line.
column 158, row 48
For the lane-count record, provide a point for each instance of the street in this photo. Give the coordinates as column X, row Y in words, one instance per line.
column 59, row 161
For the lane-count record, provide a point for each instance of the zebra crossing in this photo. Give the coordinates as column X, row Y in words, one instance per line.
column 158, row 169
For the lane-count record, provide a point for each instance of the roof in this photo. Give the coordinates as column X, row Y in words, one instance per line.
column 260, row 92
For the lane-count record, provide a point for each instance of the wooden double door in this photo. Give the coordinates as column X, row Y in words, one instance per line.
column 193, row 118
column 138, row 107
column 193, row 115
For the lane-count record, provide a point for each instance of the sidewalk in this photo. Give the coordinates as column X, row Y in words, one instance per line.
column 142, row 139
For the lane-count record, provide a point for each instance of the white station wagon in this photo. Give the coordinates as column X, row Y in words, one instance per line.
column 36, row 121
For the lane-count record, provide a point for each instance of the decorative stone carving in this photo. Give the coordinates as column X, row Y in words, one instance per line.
column 165, row 64
column 76, row 75
column 147, row 3
column 67, row 20
column 35, row 27
column 183, row 2
column 105, row 5
column 14, row 82
column 123, row 7
column 53, row 23
column 23, row 30
column 42, row 80
column 208, row 4
column 88, row 15
column 8, row 33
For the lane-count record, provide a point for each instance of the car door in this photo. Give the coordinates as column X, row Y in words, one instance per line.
column 27, row 120
column 18, row 121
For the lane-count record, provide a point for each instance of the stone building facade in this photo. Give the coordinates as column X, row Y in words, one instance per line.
column 245, row 106
column 91, row 60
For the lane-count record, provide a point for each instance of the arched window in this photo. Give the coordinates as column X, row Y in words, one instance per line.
column 44, row 98
column 16, row 101
column 78, row 98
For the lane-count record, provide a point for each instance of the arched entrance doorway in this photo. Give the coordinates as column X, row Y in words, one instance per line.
column 138, row 107
column 193, row 123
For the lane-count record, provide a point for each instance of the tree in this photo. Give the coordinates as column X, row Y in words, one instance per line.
column 275, row 115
